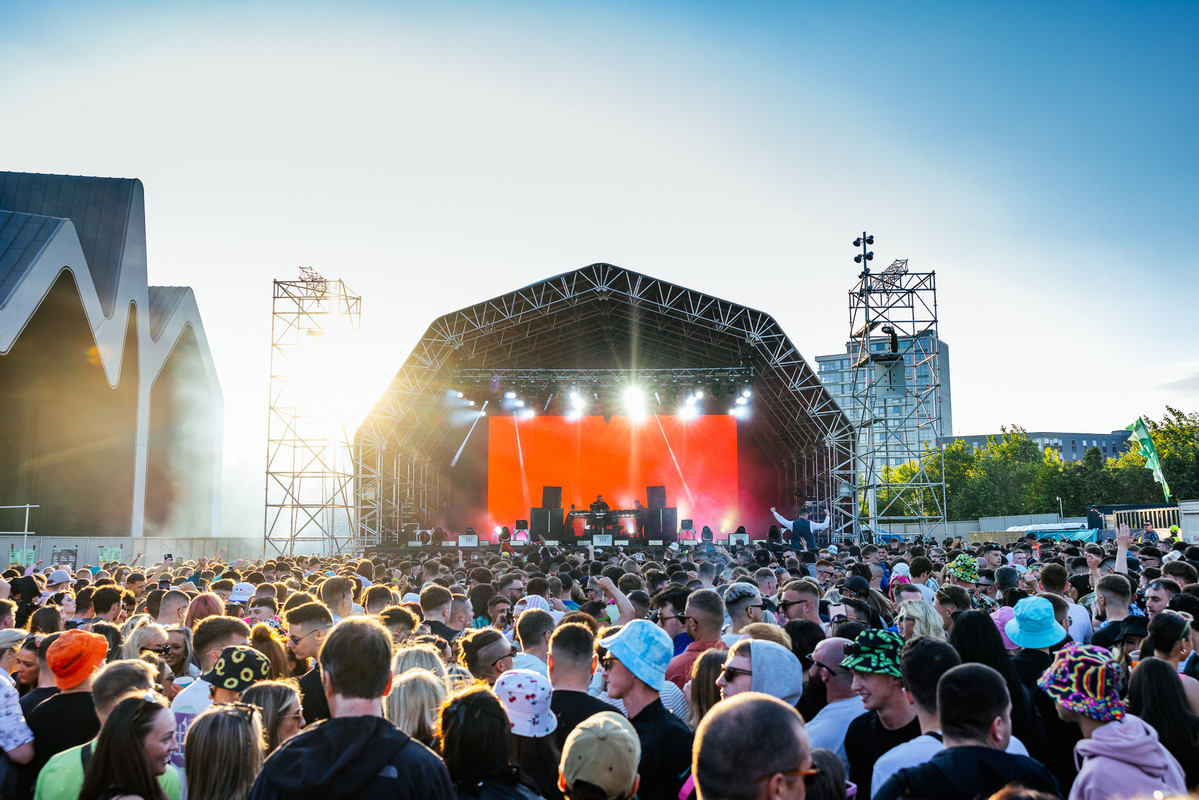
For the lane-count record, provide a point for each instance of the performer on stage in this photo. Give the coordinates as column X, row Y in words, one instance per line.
column 599, row 505
column 801, row 529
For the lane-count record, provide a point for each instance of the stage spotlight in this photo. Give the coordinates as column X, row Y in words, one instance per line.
column 747, row 392
column 520, row 403
column 688, row 411
column 509, row 395
column 741, row 400
column 578, row 402
column 634, row 402
column 717, row 388
column 574, row 415
column 471, row 403
column 461, row 395
column 526, row 413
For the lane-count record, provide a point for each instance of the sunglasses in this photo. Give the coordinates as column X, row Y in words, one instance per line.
column 730, row 673
column 511, row 654
column 162, row 651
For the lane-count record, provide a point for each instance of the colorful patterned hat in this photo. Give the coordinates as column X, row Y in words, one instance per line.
column 964, row 568
column 238, row 668
column 874, row 651
column 1085, row 678
column 525, row 696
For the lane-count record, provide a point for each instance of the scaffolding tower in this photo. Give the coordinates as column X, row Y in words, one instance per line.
column 310, row 498
column 896, row 406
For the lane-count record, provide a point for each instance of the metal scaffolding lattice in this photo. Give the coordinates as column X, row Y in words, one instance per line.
column 896, row 406
column 597, row 318
column 310, row 480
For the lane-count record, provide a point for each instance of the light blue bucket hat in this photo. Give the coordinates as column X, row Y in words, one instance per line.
column 1033, row 624
column 644, row 649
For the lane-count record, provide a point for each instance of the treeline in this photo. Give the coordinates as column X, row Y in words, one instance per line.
column 1012, row 475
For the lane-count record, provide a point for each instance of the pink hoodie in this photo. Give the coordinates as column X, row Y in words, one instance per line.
column 1123, row 760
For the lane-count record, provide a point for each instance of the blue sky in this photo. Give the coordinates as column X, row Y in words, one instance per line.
column 1040, row 157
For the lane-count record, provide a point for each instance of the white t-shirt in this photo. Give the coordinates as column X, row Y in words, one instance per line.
column 193, row 700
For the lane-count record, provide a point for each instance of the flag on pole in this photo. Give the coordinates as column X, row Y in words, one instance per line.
column 1141, row 434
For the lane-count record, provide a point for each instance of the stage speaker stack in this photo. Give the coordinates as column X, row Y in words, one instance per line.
column 551, row 497
column 545, row 523
column 656, row 496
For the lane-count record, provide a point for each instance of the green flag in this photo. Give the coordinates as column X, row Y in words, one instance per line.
column 1141, row 434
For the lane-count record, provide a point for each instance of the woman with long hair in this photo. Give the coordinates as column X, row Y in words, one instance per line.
column 203, row 605
column 279, row 704
column 418, row 656
column 977, row 641
column 413, row 702
column 225, row 746
column 134, row 747
column 919, row 618
column 1155, row 695
column 486, row 653
column 704, row 693
column 1170, row 640
column 804, row 635
column 476, row 747
column 150, row 636
column 179, row 652
column 47, row 619
column 263, row 639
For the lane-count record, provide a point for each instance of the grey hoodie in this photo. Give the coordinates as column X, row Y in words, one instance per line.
column 777, row 672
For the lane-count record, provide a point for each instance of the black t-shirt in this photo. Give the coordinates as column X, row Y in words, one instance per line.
column 1108, row 635
column 35, row 696
column 665, row 752
column 60, row 723
column 866, row 739
column 313, row 704
column 571, row 708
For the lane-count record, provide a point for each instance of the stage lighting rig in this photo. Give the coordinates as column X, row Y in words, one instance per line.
column 866, row 256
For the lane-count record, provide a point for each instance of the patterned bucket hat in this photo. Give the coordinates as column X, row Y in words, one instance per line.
column 874, row 651
column 525, row 696
column 964, row 568
column 1085, row 678
column 238, row 668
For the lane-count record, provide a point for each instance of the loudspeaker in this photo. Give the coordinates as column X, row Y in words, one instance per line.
column 546, row 523
column 551, row 497
column 670, row 524
column 656, row 496
column 688, row 525
column 522, row 524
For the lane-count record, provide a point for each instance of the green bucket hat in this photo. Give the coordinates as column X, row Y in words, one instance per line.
column 964, row 568
column 874, row 651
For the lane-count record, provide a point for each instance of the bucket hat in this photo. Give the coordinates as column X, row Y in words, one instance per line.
column 525, row 696
column 644, row 649
column 1033, row 624
column 74, row 656
column 1085, row 678
column 874, row 651
column 241, row 593
column 237, row 668
column 964, row 568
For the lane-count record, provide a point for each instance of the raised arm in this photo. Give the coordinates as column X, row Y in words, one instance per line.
column 781, row 519
column 819, row 526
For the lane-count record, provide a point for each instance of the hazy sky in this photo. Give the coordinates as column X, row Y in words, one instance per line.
column 1040, row 157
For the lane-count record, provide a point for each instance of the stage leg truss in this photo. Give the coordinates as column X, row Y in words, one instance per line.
column 897, row 406
column 597, row 317
column 310, row 480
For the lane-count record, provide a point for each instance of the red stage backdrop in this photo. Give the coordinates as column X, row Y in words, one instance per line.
column 696, row 460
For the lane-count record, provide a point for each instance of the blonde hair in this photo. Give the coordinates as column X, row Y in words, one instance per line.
column 768, row 632
column 926, row 619
column 229, row 741
column 413, row 703
column 135, row 641
column 420, row 656
column 272, row 698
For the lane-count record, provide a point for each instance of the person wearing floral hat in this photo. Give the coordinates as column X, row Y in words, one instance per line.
column 525, row 696
column 963, row 572
column 1120, row 755
column 890, row 718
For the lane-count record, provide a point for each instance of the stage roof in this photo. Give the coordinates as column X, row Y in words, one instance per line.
column 603, row 317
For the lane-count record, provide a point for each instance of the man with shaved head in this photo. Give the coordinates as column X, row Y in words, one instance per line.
column 827, row 729
column 751, row 747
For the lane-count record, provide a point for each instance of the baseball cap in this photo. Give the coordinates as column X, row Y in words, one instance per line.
column 58, row 576
column 857, row 585
column 604, row 751
column 241, row 593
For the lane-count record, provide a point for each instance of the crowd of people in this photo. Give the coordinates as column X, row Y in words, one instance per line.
column 1021, row 671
